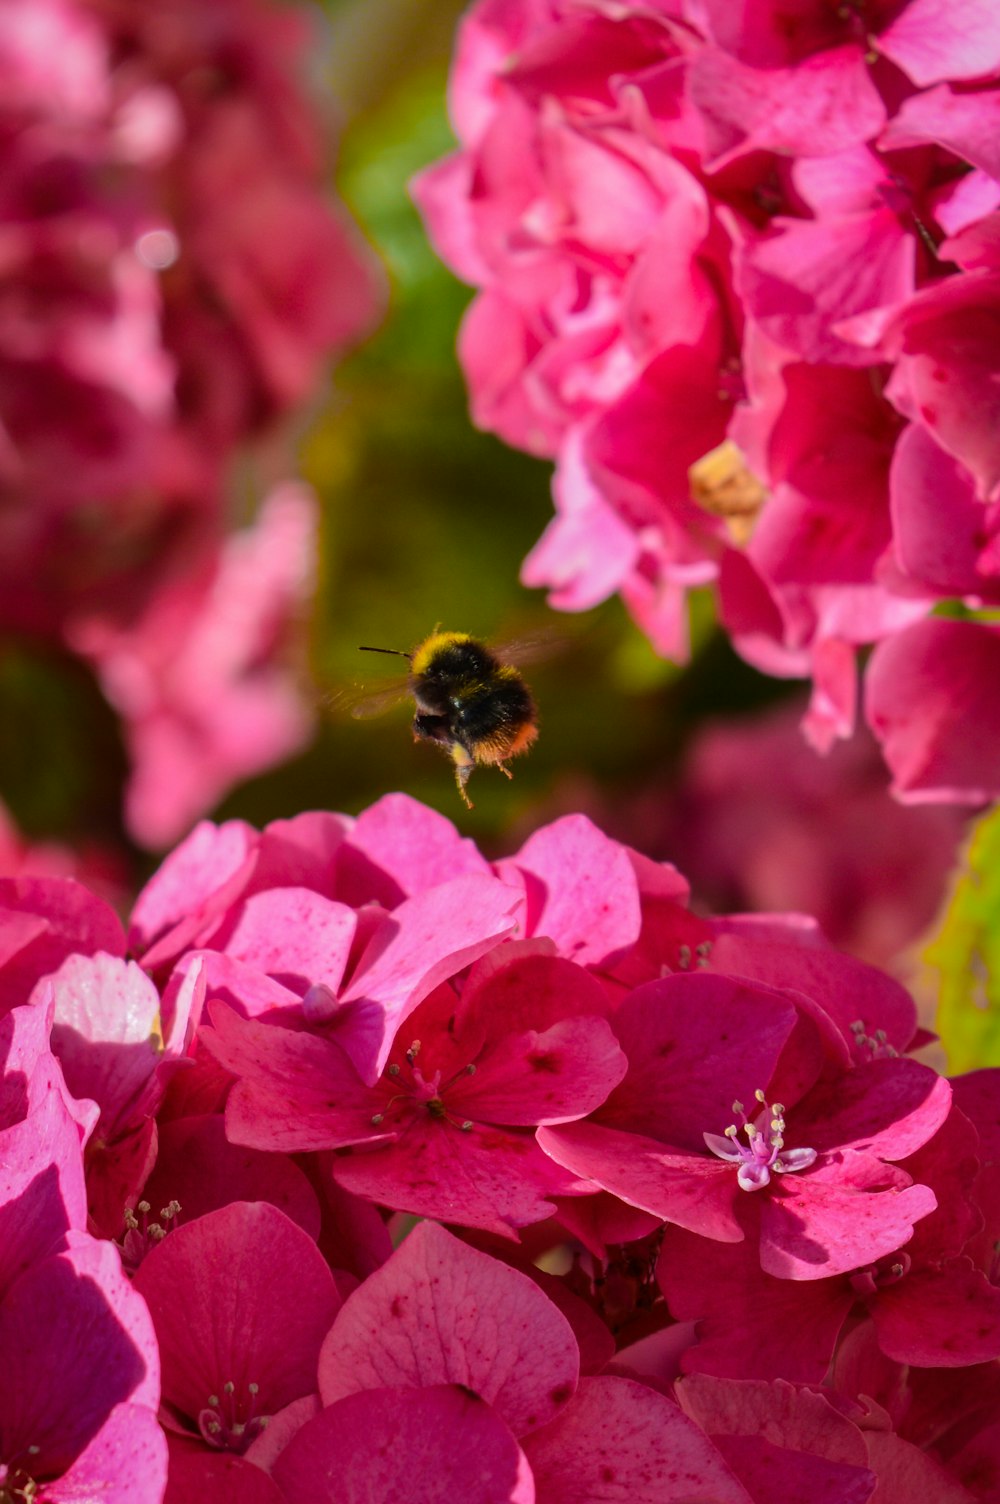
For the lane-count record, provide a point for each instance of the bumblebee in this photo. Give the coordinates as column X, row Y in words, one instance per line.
column 468, row 700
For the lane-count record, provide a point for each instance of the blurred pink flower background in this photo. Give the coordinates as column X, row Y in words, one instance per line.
column 174, row 278
column 699, row 223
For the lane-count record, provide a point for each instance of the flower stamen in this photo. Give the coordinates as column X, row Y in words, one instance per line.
column 764, row 1152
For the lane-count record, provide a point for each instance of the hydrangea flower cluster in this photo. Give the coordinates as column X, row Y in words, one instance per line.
column 738, row 269
column 361, row 1167
column 174, row 278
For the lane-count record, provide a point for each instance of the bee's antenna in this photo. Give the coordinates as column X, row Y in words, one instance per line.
column 396, row 652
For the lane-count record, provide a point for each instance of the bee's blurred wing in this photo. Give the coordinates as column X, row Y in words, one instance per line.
column 362, row 702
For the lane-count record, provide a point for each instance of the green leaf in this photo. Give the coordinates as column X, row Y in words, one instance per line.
column 966, row 954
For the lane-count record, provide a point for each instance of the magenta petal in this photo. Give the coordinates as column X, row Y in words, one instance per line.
column 580, row 889
column 197, row 1475
column 440, row 1312
column 817, row 1228
column 295, row 1091
column 947, row 1317
column 689, row 1189
column 292, row 934
column 848, row 990
column 784, row 1442
column 750, row 1325
column 694, row 1043
column 940, row 526
column 438, row 1445
column 491, row 1178
column 197, row 1166
column 74, row 920
column 42, row 1192
column 547, row 1076
column 906, row 1473
column 887, row 1108
column 75, row 1341
column 619, row 1440
column 925, row 688
column 427, row 939
column 126, row 1463
column 241, row 1295
column 824, row 105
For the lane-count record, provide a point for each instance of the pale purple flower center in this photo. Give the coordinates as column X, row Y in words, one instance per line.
column 764, row 1151
column 229, row 1422
column 417, row 1092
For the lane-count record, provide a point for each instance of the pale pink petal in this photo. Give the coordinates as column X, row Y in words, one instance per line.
column 931, row 40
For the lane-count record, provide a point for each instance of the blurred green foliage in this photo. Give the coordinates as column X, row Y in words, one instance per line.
column 965, row 954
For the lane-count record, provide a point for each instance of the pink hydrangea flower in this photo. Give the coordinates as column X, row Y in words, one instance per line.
column 151, row 323
column 816, row 1170
column 199, row 679
column 802, row 258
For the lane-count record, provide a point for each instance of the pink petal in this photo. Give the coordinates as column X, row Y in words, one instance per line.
column 292, row 934
column 826, row 104
column 493, row 1178
column 427, row 939
column 76, row 1341
column 42, row 1193
column 930, row 40
column 440, row 1312
column 689, row 1189
column 962, row 122
column 695, row 1042
column 580, row 889
column 198, row 1166
column 940, row 526
column 106, row 1031
column 946, row 1317
column 126, row 1463
column 846, row 989
column 425, row 1446
column 241, row 1294
column 750, row 1325
column 925, row 688
column 192, row 888
column 905, row 1473
column 522, row 985
column 619, row 1440
column 800, row 282
column 783, row 1442
column 399, row 847
column 817, row 1227
column 887, row 1108
column 543, row 1076
column 296, row 1091
column 74, row 920
column 197, row 1474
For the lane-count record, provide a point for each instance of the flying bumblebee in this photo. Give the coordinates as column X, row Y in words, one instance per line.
column 468, row 699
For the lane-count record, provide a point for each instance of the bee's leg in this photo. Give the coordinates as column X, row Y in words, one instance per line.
column 504, row 769
column 464, row 765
